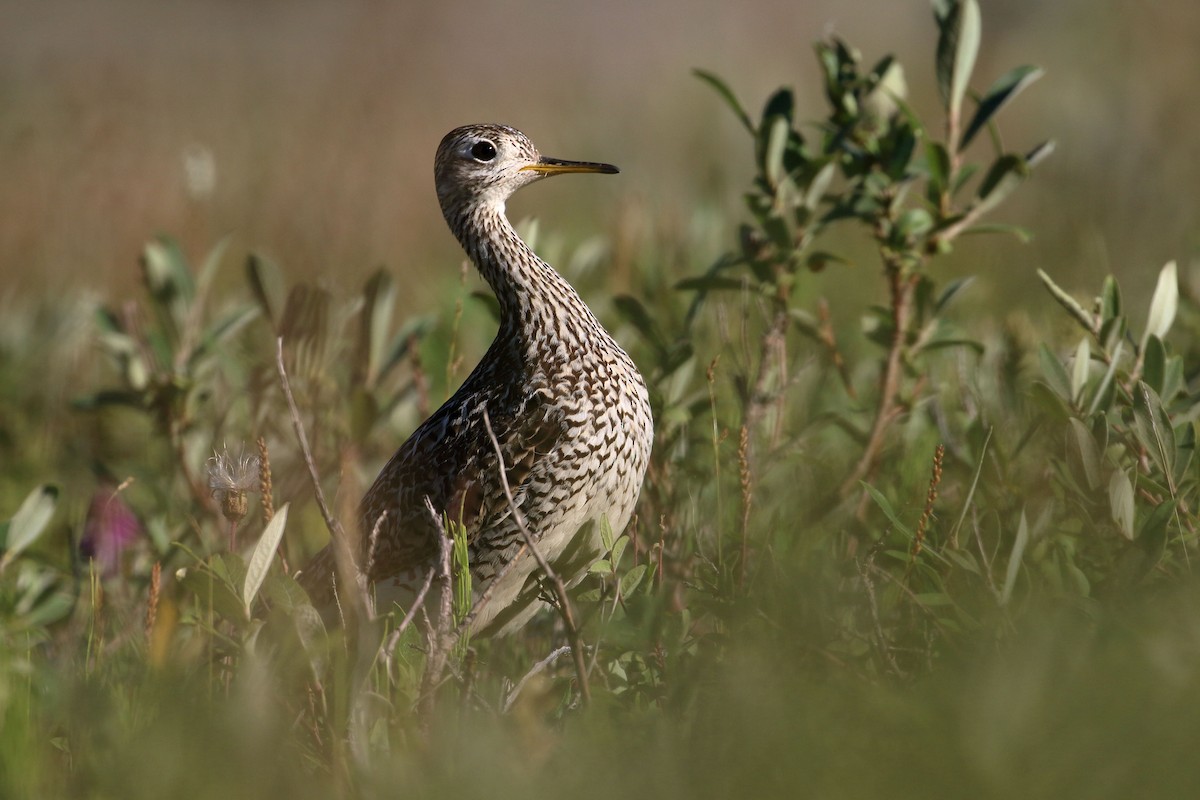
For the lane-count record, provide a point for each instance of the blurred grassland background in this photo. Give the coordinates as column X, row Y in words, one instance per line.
column 306, row 131
column 321, row 120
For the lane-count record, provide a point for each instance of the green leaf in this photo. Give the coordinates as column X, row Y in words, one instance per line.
column 951, row 293
column 1153, row 429
column 601, row 567
column 266, row 281
column 1102, row 399
column 1005, row 175
column 1163, row 304
column 1110, row 299
column 1056, row 375
column 937, row 161
column 631, row 579
column 1120, row 499
column 886, row 508
column 606, row 534
column 727, row 95
column 1154, row 363
column 1006, row 87
column 1014, row 560
column 1089, row 454
column 264, row 553
column 212, row 262
column 30, row 521
column 958, row 45
column 914, row 223
column 1080, row 370
column 1021, row 234
column 777, row 138
column 1068, row 302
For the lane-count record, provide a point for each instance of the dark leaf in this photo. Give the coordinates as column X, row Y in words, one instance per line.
column 1008, row 86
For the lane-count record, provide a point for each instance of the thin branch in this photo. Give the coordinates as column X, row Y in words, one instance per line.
column 560, row 589
column 389, row 649
column 441, row 638
column 335, row 527
column 888, row 409
column 534, row 670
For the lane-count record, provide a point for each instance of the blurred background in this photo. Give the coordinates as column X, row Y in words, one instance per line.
column 307, row 129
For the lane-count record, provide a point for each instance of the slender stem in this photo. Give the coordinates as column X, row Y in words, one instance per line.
column 560, row 589
column 903, row 287
column 335, row 527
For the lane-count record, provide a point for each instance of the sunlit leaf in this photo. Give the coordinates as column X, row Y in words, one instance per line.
column 1080, row 369
column 30, row 520
column 1120, row 499
column 1163, row 304
column 263, row 555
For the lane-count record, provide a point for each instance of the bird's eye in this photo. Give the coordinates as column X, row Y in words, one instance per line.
column 483, row 150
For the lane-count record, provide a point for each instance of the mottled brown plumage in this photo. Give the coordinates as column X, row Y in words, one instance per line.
column 568, row 407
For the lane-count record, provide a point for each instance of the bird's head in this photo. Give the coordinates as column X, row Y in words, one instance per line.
column 480, row 163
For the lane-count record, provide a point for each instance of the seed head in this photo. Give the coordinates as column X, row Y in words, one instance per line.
column 230, row 478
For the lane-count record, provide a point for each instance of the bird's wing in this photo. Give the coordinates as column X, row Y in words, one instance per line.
column 451, row 460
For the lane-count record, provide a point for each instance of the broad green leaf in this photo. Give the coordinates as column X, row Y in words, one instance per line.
column 1068, row 302
column 631, row 579
column 1120, row 499
column 727, row 95
column 777, row 138
column 1089, row 454
column 601, row 567
column 1014, row 560
column 1056, row 375
column 1006, row 87
column 1164, row 304
column 606, row 534
column 1080, row 369
column 914, row 223
column 30, row 521
column 264, row 553
column 1110, row 299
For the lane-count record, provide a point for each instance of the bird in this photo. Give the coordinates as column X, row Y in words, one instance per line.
column 569, row 410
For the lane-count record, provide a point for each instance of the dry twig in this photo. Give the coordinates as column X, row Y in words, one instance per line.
column 560, row 589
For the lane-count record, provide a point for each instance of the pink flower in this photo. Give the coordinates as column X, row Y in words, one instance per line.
column 110, row 528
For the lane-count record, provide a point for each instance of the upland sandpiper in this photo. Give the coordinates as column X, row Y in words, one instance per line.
column 568, row 407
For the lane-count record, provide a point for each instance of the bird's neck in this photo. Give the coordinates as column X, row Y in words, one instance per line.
column 535, row 301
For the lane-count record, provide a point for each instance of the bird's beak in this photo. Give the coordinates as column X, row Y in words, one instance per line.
column 556, row 166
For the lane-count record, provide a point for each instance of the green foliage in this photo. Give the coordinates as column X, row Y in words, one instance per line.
column 916, row 565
